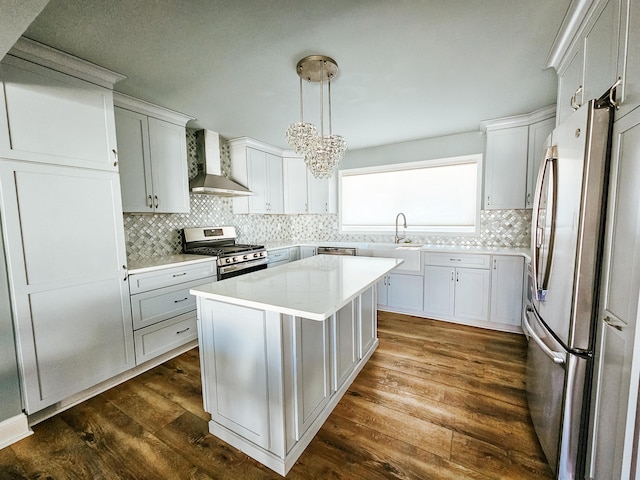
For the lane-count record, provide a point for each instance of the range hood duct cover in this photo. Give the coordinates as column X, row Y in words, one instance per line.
column 210, row 180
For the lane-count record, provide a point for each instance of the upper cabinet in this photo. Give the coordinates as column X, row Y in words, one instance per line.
column 303, row 193
column 515, row 146
column 153, row 157
column 596, row 47
column 258, row 167
column 56, row 109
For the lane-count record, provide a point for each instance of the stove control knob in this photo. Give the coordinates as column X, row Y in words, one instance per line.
column 256, row 255
column 227, row 260
column 245, row 257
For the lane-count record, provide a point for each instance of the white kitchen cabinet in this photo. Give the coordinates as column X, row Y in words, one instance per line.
column 506, row 168
column 153, row 157
column 400, row 291
column 52, row 117
column 538, row 135
column 591, row 53
column 163, row 310
column 303, row 193
column 368, row 326
column 258, row 167
column 457, row 286
column 307, row 251
column 515, row 146
column 507, row 281
column 277, row 257
column 617, row 371
column 294, row 254
column 67, row 266
column 270, row 380
column 345, row 343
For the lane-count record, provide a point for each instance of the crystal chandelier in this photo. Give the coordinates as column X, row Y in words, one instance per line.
column 321, row 152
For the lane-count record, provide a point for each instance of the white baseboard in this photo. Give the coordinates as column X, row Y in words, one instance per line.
column 14, row 429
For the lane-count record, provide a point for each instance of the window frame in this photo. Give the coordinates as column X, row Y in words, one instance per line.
column 476, row 158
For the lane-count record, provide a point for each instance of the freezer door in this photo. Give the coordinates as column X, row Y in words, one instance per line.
column 567, row 225
column 555, row 382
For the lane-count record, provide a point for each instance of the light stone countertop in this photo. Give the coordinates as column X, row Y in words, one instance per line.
column 313, row 288
column 522, row 252
column 166, row 261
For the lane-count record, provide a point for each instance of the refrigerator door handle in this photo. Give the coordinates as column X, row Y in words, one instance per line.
column 547, row 174
column 556, row 357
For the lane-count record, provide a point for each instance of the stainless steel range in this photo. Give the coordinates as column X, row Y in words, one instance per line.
column 233, row 258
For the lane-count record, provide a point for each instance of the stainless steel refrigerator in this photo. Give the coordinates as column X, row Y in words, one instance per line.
column 560, row 318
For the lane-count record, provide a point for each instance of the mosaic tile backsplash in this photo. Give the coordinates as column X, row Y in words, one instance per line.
column 153, row 235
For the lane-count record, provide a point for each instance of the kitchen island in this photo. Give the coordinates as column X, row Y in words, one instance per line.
column 279, row 348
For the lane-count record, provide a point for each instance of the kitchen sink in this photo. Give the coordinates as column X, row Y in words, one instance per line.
column 409, row 253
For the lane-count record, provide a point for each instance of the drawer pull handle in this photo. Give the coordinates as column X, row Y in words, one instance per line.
column 455, row 259
column 179, row 274
column 181, row 300
column 182, row 331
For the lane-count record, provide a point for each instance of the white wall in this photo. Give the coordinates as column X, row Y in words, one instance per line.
column 417, row 150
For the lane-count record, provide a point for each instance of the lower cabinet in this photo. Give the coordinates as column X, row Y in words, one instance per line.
column 163, row 310
column 270, row 379
column 402, row 291
column 507, row 284
column 455, row 292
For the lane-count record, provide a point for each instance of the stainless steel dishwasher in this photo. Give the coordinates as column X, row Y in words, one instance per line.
column 336, row 251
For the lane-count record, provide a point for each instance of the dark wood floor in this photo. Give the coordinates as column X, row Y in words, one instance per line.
column 435, row 401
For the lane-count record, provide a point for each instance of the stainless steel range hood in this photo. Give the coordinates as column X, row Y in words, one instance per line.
column 210, row 180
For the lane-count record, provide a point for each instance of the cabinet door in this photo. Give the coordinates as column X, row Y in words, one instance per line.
column 629, row 58
column 53, row 118
column 405, row 291
column 472, row 293
column 318, row 194
column 275, row 186
column 311, row 370
column 295, row 185
column 67, row 261
column 345, row 344
column 368, row 331
column 538, row 136
column 132, row 130
column 506, row 168
column 306, row 251
column 439, row 290
column 570, row 83
column 168, row 150
column 601, row 51
column 257, row 169
column 616, row 395
column 507, row 277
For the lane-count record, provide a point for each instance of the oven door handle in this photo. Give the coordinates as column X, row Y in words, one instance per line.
column 241, row 266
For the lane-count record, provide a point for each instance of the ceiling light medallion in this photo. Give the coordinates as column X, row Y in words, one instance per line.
column 321, row 153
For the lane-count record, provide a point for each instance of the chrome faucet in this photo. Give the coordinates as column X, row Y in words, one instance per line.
column 404, row 225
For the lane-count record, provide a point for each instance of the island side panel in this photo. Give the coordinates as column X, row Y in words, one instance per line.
column 236, row 389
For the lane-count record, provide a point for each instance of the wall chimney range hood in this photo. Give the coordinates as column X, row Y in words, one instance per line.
column 209, row 179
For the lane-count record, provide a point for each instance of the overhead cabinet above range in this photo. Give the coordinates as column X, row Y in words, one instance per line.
column 153, row 157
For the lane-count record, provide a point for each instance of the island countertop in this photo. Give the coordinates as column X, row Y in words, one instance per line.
column 312, row 288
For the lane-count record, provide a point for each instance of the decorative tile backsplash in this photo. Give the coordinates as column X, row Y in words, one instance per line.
column 152, row 235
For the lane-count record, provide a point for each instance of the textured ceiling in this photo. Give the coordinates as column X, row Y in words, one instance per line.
column 409, row 69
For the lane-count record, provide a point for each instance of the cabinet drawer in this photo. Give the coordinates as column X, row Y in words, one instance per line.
column 142, row 282
column 457, row 260
column 278, row 255
column 154, row 306
column 165, row 336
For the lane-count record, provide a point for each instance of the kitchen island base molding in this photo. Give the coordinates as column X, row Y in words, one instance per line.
column 272, row 461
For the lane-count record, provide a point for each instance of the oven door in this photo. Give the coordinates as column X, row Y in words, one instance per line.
column 228, row 271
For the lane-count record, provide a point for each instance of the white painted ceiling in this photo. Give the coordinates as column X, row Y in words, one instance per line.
column 409, row 69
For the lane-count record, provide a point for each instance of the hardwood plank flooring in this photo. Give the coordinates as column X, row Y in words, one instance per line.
column 436, row 401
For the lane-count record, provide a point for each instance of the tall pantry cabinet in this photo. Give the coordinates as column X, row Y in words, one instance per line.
column 61, row 213
column 596, row 47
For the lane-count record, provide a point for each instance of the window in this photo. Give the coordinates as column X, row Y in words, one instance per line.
column 436, row 196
